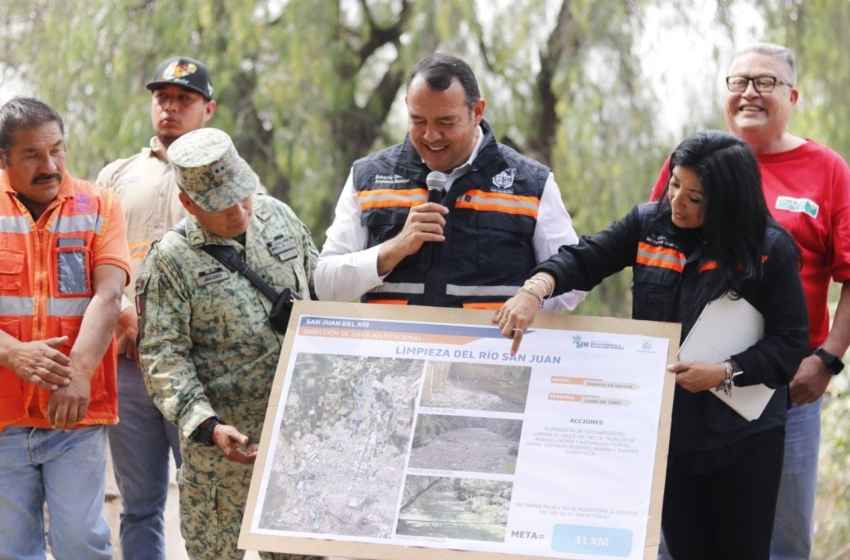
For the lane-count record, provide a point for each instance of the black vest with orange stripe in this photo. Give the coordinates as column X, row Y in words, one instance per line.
column 488, row 252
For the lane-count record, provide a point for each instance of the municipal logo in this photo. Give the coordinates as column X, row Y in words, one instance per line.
column 504, row 180
column 596, row 344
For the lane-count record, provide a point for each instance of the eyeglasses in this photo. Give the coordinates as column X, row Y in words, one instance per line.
column 762, row 84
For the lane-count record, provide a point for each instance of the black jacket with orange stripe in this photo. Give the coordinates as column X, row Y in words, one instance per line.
column 671, row 282
column 488, row 251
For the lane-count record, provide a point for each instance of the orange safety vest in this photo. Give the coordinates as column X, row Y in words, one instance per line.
column 45, row 288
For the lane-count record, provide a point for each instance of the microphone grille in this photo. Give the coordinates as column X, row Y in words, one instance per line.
column 436, row 180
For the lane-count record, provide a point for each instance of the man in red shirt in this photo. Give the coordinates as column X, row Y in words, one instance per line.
column 807, row 188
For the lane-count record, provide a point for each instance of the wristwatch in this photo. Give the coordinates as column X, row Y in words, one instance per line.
column 204, row 432
column 833, row 363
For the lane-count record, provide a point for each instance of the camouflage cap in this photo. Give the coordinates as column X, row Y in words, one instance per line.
column 210, row 171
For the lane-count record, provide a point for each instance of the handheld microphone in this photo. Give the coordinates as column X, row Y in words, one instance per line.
column 436, row 182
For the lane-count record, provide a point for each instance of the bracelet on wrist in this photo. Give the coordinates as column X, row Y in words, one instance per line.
column 545, row 282
column 726, row 384
column 532, row 292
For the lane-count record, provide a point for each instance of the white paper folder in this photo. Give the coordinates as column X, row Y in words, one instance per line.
column 726, row 327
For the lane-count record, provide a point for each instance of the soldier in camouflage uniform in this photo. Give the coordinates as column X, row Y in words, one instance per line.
column 206, row 346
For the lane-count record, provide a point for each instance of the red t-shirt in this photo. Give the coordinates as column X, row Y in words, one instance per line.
column 807, row 190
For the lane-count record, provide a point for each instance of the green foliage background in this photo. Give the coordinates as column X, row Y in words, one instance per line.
column 307, row 86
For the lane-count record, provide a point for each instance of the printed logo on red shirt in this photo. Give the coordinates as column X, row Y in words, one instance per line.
column 803, row 205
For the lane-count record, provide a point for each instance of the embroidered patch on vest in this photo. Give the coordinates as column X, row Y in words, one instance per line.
column 390, row 179
column 212, row 275
column 504, row 181
column 797, row 205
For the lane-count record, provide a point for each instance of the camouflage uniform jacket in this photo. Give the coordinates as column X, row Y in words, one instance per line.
column 206, row 346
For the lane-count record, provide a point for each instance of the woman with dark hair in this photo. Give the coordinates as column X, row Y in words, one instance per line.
column 710, row 234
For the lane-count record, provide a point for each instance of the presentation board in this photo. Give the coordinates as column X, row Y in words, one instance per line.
column 410, row 432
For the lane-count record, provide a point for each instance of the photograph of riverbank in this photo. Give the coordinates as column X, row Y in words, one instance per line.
column 465, row 444
column 486, row 387
column 455, row 508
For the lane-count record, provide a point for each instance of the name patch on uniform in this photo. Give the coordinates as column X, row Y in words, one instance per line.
column 212, row 275
column 282, row 248
column 803, row 205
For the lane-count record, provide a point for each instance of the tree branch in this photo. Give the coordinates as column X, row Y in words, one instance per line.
column 380, row 36
column 561, row 44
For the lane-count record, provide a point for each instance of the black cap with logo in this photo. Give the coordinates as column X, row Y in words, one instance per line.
column 185, row 72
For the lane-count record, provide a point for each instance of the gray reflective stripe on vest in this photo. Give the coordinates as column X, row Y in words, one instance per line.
column 67, row 307
column 20, row 306
column 14, row 224
column 399, row 288
column 653, row 255
column 486, row 291
column 451, row 290
column 79, row 223
column 99, row 221
column 508, row 202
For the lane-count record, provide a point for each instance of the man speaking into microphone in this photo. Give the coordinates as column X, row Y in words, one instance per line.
column 399, row 238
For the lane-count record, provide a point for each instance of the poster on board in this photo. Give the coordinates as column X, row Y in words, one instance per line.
column 411, row 432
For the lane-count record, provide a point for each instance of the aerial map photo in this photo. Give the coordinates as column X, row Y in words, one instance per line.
column 339, row 459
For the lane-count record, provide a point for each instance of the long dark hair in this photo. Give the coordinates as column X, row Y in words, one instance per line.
column 735, row 211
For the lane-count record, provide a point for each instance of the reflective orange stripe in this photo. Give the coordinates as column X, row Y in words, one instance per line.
column 389, row 301
column 498, row 202
column 708, row 265
column 140, row 249
column 660, row 257
column 483, row 305
column 391, row 198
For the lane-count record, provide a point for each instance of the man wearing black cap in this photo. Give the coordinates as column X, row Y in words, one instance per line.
column 182, row 101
